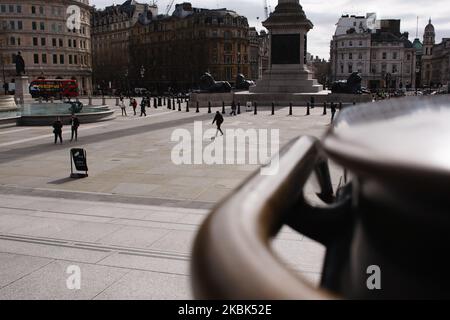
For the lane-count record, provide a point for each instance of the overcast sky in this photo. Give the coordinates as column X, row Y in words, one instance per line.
column 325, row 13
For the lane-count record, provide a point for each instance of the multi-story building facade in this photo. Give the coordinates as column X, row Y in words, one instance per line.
column 383, row 56
column 111, row 28
column 174, row 51
column 259, row 53
column 435, row 59
column 51, row 46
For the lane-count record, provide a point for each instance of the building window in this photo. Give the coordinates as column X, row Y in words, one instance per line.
column 2, row 8
column 12, row 41
column 55, row 59
column 36, row 58
column 19, row 25
column 43, row 42
column 12, row 25
column 394, row 68
column 342, row 56
column 42, row 26
column 394, row 55
column 75, row 59
column 19, row 9
column 41, row 10
column 342, row 68
column 408, row 57
column 374, row 69
column 44, row 58
column 360, row 56
column 70, row 59
column 61, row 44
column 61, row 59
column 74, row 43
column 69, row 43
column 374, row 55
column 350, row 56
column 35, row 41
column 350, row 43
column 360, row 43
column 54, row 42
column 384, row 56
column 33, row 10
column 350, row 68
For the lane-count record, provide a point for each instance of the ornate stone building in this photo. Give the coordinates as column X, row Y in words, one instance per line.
column 259, row 53
column 111, row 28
column 39, row 30
column 174, row 51
column 376, row 49
column 435, row 59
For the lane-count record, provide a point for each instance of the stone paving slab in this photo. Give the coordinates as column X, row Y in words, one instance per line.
column 130, row 225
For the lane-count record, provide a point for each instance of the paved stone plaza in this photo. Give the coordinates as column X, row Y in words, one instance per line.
column 129, row 226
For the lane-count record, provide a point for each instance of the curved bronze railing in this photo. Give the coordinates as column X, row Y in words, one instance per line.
column 232, row 258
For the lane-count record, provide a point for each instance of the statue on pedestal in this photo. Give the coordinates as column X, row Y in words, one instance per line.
column 20, row 64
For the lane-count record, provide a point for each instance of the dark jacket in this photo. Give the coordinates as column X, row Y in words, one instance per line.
column 57, row 126
column 218, row 118
column 75, row 122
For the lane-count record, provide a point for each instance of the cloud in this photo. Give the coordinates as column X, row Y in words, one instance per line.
column 325, row 14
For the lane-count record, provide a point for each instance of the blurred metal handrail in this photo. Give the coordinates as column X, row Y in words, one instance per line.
column 232, row 258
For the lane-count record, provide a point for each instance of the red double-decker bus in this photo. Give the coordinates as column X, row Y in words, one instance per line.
column 57, row 88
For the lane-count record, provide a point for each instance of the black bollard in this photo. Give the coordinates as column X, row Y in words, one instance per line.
column 187, row 106
column 159, row 102
column 169, row 104
column 197, row 110
column 354, row 103
column 164, row 100
column 239, row 108
column 209, row 107
column 290, row 108
column 155, row 103
column 340, row 106
column 273, row 108
column 325, row 109
column 256, row 108
column 307, row 109
column 223, row 107
column 173, row 104
column 179, row 105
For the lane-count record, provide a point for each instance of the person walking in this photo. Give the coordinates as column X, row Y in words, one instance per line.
column 124, row 111
column 233, row 109
column 57, row 129
column 218, row 119
column 143, row 105
column 333, row 111
column 74, row 124
column 134, row 105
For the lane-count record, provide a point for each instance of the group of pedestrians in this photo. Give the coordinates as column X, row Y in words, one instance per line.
column 145, row 103
column 58, row 125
